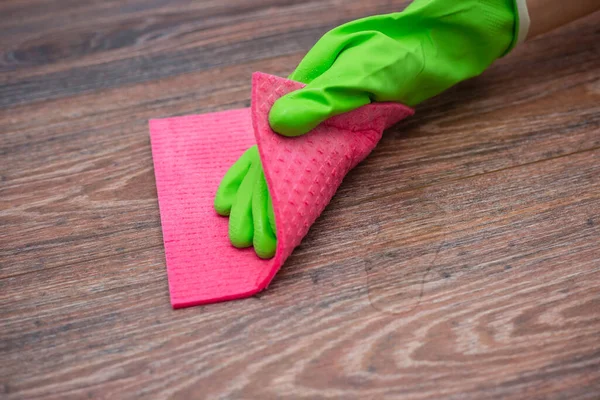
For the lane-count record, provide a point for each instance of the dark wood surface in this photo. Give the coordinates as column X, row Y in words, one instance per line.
column 461, row 260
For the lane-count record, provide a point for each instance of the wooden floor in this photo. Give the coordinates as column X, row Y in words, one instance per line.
column 461, row 260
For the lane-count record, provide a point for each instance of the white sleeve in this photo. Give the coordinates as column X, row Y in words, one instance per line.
column 524, row 21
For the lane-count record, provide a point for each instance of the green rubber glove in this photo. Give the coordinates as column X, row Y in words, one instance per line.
column 405, row 57
column 244, row 197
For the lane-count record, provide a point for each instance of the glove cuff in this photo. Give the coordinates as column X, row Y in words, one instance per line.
column 522, row 22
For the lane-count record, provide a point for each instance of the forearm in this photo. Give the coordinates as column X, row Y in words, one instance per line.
column 546, row 15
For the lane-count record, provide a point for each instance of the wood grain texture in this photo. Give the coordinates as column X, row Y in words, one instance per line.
column 461, row 260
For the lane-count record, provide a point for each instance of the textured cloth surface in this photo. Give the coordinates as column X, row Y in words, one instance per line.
column 191, row 155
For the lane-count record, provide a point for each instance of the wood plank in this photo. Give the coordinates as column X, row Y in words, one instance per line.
column 346, row 328
column 150, row 48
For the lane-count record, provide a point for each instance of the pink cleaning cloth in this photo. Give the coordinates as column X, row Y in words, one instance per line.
column 191, row 155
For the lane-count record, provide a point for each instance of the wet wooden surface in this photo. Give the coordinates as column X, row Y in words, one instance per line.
column 460, row 260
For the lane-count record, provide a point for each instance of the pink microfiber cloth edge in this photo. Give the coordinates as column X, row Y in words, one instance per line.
column 191, row 154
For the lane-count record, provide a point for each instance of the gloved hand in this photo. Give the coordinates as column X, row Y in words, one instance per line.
column 405, row 57
column 244, row 197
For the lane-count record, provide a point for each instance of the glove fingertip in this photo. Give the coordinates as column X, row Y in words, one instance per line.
column 265, row 245
column 241, row 236
column 222, row 210
column 286, row 119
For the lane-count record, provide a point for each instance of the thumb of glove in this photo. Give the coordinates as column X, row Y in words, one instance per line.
column 330, row 94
